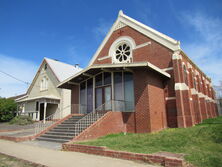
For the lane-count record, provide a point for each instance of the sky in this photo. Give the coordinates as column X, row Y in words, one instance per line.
column 71, row 31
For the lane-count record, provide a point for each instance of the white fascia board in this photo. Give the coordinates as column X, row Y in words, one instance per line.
column 39, row 97
column 151, row 33
column 167, row 69
column 139, row 64
column 36, row 75
column 181, row 86
column 158, row 70
column 142, row 28
column 21, row 98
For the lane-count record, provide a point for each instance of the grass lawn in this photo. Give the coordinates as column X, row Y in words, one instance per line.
column 201, row 144
column 7, row 161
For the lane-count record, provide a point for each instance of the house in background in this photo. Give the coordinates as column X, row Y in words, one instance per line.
column 43, row 98
column 143, row 81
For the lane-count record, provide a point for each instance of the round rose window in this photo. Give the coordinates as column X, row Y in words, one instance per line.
column 123, row 53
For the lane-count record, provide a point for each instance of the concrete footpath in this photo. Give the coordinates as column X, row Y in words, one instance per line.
column 56, row 158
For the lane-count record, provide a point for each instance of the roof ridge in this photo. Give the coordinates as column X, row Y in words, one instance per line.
column 58, row 61
column 174, row 41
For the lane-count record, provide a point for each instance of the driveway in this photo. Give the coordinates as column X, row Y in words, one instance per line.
column 56, row 158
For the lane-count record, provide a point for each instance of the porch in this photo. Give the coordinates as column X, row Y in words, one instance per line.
column 39, row 108
column 109, row 87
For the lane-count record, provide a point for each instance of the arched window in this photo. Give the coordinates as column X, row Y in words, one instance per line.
column 121, row 50
column 123, row 53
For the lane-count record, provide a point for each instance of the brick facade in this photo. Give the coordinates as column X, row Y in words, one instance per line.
column 187, row 98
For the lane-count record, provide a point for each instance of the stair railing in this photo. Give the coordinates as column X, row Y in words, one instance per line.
column 112, row 105
column 50, row 120
column 89, row 118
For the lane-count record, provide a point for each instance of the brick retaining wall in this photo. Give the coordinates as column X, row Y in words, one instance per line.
column 149, row 158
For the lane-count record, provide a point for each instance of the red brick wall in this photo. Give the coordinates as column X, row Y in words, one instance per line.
column 142, row 115
column 152, row 111
column 157, row 106
column 155, row 53
column 111, row 122
column 171, row 113
column 149, row 158
column 149, row 101
column 75, row 100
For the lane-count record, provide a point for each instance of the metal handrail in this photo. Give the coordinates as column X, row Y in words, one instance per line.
column 50, row 120
column 112, row 105
column 89, row 118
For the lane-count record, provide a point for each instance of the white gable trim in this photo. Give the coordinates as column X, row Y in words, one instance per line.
column 142, row 28
column 36, row 76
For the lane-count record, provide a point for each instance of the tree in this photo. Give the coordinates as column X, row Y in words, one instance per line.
column 7, row 109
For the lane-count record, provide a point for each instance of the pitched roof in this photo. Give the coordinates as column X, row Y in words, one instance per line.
column 123, row 20
column 62, row 70
column 88, row 72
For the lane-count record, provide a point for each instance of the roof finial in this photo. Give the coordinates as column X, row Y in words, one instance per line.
column 120, row 13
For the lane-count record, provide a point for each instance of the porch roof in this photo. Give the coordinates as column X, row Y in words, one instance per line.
column 38, row 97
column 92, row 70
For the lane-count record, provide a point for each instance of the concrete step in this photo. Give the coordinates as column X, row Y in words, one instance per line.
column 63, row 128
column 57, row 136
column 52, row 139
column 61, row 133
column 68, row 129
column 68, row 122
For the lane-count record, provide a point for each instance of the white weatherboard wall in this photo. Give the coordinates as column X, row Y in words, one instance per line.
column 66, row 102
column 52, row 83
column 54, row 72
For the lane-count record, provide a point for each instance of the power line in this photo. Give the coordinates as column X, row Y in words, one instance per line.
column 27, row 83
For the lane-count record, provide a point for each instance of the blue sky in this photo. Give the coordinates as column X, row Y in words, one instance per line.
column 71, row 31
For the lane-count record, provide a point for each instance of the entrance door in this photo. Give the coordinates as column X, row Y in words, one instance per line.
column 103, row 98
column 41, row 111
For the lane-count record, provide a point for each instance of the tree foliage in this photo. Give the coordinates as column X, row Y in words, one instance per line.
column 7, row 109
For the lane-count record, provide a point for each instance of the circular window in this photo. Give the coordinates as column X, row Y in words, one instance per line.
column 123, row 53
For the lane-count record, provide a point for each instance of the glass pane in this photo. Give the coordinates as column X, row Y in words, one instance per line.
column 89, row 95
column 128, row 91
column 107, row 78
column 83, row 97
column 99, row 98
column 118, row 90
column 99, row 80
column 107, row 91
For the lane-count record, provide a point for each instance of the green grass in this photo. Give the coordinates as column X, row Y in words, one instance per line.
column 201, row 144
column 8, row 161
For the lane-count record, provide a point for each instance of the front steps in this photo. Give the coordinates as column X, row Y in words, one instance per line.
column 70, row 128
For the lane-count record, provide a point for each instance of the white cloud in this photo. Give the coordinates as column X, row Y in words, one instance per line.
column 102, row 29
column 21, row 69
column 205, row 48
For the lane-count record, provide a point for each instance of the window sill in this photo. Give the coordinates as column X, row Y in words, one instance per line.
column 44, row 90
